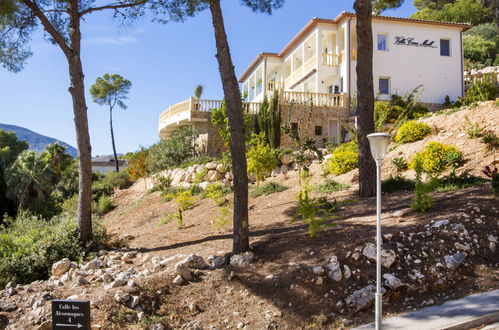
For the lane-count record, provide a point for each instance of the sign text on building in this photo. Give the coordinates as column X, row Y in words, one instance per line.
column 409, row 41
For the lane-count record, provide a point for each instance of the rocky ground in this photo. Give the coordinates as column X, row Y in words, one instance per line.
column 166, row 278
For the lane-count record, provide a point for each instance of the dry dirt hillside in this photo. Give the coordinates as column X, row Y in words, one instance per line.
column 289, row 280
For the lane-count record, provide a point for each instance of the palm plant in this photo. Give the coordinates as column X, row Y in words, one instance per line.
column 28, row 178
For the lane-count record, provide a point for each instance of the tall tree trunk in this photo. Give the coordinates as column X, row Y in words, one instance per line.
column 112, row 140
column 365, row 105
column 235, row 116
column 77, row 90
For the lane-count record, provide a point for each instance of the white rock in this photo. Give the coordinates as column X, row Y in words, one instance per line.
column 440, row 223
column 392, row 281
column 182, row 269
column 399, row 213
column 94, row 264
column 242, row 260
column 347, row 273
column 453, row 261
column 318, row 270
column 362, row 299
column 286, row 159
column 387, row 256
column 196, row 262
column 61, row 267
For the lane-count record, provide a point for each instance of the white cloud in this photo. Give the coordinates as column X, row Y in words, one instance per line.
column 122, row 40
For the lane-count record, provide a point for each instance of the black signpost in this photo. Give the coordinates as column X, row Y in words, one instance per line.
column 70, row 314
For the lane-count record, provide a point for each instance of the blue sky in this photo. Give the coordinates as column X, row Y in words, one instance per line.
column 164, row 63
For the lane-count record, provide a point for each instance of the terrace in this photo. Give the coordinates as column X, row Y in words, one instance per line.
column 193, row 110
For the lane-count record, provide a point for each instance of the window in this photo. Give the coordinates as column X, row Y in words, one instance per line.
column 318, row 130
column 384, row 85
column 382, row 42
column 341, row 85
column 294, row 127
column 444, row 47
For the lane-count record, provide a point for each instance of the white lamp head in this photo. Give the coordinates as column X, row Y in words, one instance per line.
column 379, row 146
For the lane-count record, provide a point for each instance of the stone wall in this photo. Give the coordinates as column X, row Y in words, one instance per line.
column 307, row 119
column 209, row 141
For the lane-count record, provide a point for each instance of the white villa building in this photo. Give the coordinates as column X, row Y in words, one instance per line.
column 317, row 69
column 407, row 53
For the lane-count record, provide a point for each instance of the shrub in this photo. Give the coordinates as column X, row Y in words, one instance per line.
column 434, row 158
column 313, row 211
column 196, row 161
column 453, row 182
column 223, row 218
column 267, row 189
column 473, row 130
column 400, row 164
column 172, row 152
column 422, row 199
column 396, row 183
column 29, row 246
column 412, row 131
column 104, row 205
column 329, row 186
column 261, row 158
column 491, row 140
column 480, row 91
column 184, row 200
column 343, row 162
column 385, row 112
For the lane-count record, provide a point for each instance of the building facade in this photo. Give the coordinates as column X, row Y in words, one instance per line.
column 315, row 74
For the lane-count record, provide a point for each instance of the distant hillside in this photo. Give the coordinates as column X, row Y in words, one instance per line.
column 36, row 141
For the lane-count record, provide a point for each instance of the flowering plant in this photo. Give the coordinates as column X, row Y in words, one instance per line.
column 494, row 177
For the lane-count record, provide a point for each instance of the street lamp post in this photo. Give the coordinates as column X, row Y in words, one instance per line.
column 379, row 147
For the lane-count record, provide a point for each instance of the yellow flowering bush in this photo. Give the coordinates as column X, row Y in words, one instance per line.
column 345, row 158
column 412, row 131
column 434, row 157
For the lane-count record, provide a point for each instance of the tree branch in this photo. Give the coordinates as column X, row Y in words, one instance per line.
column 113, row 6
column 48, row 27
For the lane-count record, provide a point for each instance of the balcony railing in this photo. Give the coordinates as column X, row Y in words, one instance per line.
column 471, row 78
column 275, row 85
column 331, row 59
column 314, row 99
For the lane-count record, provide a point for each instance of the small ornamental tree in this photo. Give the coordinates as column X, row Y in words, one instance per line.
column 138, row 167
column 112, row 90
column 261, row 158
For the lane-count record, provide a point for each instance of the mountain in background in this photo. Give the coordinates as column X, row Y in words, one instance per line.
column 36, row 141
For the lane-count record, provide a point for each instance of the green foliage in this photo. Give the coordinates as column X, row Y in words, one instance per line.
column 385, row 112
column 267, row 189
column 479, row 92
column 220, row 120
column 453, row 182
column 184, row 200
column 400, row 164
column 491, row 140
column 478, row 49
column 434, row 158
column 223, row 218
column 110, row 89
column 198, row 91
column 104, row 205
column 313, row 211
column 163, row 183
column 396, row 183
column 216, row 193
column 473, row 130
column 261, row 158
column 29, row 246
column 412, row 131
column 10, row 148
column 344, row 159
column 422, row 199
column 329, row 186
column 170, row 153
column 471, row 11
column 269, row 120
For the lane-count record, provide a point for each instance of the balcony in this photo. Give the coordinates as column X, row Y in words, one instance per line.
column 191, row 111
column 314, row 99
column 331, row 59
